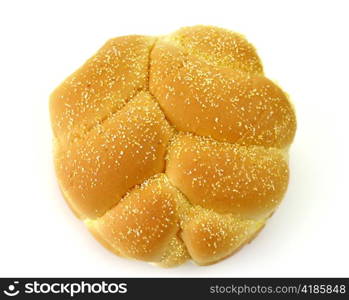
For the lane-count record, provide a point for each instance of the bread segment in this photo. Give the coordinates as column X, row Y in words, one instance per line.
column 145, row 222
column 125, row 150
column 220, row 102
column 100, row 87
column 246, row 181
column 175, row 254
column 219, row 47
column 211, row 237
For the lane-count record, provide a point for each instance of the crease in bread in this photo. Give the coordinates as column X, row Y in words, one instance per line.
column 174, row 147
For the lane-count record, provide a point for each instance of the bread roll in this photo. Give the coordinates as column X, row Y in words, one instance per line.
column 174, row 147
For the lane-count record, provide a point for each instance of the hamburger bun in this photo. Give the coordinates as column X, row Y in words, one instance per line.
column 174, row 147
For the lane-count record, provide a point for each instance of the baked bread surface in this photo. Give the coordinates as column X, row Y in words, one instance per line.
column 174, row 147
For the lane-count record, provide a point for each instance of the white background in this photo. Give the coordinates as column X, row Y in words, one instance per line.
column 304, row 46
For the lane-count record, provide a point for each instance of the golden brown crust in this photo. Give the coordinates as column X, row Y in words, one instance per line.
column 144, row 222
column 123, row 151
column 219, row 102
column 91, row 226
column 175, row 254
column 210, row 236
column 247, row 181
column 101, row 86
column 219, row 47
column 197, row 97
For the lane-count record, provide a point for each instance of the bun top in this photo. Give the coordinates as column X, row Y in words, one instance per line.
column 173, row 147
